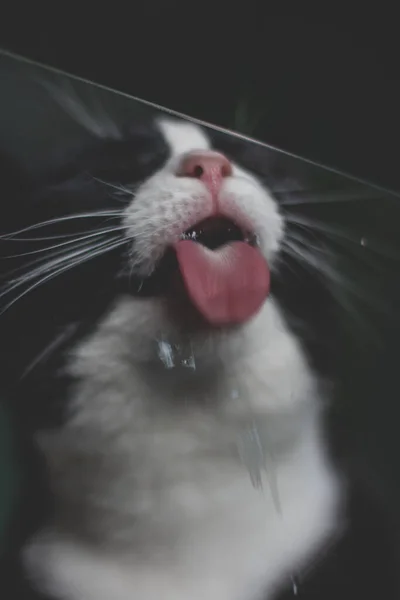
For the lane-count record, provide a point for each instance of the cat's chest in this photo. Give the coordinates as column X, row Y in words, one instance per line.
column 204, row 531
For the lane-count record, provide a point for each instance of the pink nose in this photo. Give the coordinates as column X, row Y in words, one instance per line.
column 208, row 166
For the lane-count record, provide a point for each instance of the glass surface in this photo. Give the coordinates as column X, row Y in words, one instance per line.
column 45, row 114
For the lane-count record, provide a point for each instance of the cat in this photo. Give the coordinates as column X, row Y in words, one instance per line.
column 169, row 363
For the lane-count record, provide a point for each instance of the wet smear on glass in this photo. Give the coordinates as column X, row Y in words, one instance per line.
column 172, row 356
column 190, row 363
column 259, row 460
column 295, row 587
column 166, row 354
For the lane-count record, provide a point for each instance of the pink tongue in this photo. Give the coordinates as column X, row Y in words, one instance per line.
column 228, row 285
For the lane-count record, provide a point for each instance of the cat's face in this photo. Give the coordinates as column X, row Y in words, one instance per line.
column 198, row 182
column 171, row 215
column 202, row 232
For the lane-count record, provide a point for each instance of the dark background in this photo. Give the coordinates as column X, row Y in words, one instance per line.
column 324, row 88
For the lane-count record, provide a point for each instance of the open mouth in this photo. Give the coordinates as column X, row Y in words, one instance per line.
column 215, row 232
column 212, row 233
column 216, row 265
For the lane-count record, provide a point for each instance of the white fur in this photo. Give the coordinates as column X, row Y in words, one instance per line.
column 183, row 137
column 157, row 502
column 166, row 205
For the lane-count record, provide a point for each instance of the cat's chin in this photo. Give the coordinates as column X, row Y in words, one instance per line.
column 178, row 314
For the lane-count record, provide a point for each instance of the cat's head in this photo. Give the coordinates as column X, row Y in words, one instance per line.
column 181, row 223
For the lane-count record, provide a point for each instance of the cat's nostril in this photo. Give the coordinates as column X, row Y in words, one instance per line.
column 198, row 171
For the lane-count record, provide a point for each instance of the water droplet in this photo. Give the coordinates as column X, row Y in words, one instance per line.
column 363, row 241
column 253, row 240
column 189, row 362
column 186, row 357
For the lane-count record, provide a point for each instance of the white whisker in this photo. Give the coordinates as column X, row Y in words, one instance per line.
column 291, row 235
column 61, row 270
column 44, row 260
column 100, row 232
column 306, row 257
column 336, row 281
column 49, row 265
column 113, row 186
column 341, row 235
column 320, row 227
column 88, row 215
column 50, row 348
column 366, row 259
column 325, row 197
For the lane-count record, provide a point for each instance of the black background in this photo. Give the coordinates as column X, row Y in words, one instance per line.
column 325, row 87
